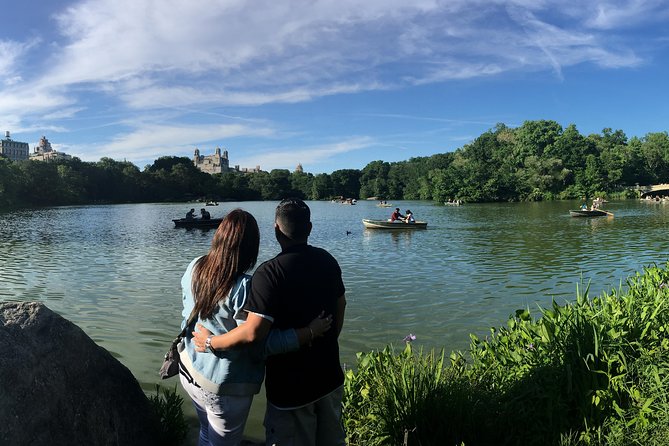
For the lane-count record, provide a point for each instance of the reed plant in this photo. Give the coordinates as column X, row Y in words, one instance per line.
column 407, row 398
column 167, row 405
column 592, row 371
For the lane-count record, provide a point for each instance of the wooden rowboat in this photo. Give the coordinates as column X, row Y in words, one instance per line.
column 589, row 213
column 385, row 224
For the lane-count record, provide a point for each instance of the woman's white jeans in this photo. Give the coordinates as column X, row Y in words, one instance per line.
column 222, row 417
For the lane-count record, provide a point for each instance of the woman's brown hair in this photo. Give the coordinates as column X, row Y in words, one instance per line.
column 234, row 250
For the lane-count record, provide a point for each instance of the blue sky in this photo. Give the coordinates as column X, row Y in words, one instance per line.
column 330, row 84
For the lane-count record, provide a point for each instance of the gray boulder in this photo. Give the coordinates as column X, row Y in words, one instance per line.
column 57, row 387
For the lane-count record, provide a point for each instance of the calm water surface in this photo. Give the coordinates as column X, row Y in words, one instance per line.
column 115, row 270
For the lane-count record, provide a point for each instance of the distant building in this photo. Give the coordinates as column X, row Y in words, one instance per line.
column 14, row 150
column 218, row 163
column 247, row 169
column 211, row 164
column 44, row 152
column 299, row 168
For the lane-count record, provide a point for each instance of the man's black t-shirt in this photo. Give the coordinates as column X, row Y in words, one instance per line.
column 293, row 288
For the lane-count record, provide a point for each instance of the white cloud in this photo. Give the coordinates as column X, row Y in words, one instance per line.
column 10, row 54
column 62, row 113
column 429, row 118
column 257, row 52
column 611, row 14
column 19, row 106
column 284, row 158
column 158, row 97
column 9, row 81
column 150, row 141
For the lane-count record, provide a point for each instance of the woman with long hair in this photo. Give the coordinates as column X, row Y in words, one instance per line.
column 215, row 287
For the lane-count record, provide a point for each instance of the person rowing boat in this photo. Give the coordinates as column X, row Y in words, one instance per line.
column 396, row 216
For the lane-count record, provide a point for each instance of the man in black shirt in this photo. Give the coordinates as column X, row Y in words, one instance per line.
column 304, row 388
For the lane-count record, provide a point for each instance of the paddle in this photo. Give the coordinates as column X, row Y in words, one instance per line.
column 608, row 214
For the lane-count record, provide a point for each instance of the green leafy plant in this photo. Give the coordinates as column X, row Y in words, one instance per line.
column 594, row 371
column 167, row 404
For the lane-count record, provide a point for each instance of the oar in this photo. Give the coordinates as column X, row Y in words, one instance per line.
column 609, row 214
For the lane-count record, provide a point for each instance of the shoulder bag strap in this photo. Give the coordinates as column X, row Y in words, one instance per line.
column 191, row 318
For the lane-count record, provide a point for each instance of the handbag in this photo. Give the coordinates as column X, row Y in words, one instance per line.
column 171, row 360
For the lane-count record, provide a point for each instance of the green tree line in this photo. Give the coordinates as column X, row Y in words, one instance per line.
column 539, row 160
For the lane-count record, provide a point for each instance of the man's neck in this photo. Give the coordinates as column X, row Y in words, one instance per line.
column 287, row 243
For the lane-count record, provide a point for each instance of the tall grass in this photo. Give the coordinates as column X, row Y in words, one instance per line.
column 406, row 398
column 593, row 371
column 167, row 404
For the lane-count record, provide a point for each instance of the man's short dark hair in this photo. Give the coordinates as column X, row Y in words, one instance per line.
column 293, row 216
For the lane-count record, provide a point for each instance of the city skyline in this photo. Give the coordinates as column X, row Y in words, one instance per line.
column 330, row 85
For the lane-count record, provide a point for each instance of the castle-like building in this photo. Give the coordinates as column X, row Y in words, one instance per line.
column 217, row 163
column 211, row 164
column 44, row 152
column 14, row 150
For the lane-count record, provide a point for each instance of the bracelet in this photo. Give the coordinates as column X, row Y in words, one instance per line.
column 207, row 344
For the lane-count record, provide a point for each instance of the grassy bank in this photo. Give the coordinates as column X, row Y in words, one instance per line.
column 591, row 372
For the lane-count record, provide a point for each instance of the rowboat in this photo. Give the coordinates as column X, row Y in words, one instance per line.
column 197, row 223
column 345, row 201
column 397, row 224
column 589, row 213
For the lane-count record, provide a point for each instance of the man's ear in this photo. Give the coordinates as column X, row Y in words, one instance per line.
column 278, row 234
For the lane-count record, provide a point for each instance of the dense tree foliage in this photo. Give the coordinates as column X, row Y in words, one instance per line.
column 538, row 160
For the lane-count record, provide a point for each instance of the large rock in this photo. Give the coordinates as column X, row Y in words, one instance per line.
column 57, row 387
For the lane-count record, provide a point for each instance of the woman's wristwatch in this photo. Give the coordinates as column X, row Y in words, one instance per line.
column 207, row 344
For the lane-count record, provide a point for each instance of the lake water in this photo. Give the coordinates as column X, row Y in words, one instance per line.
column 115, row 270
